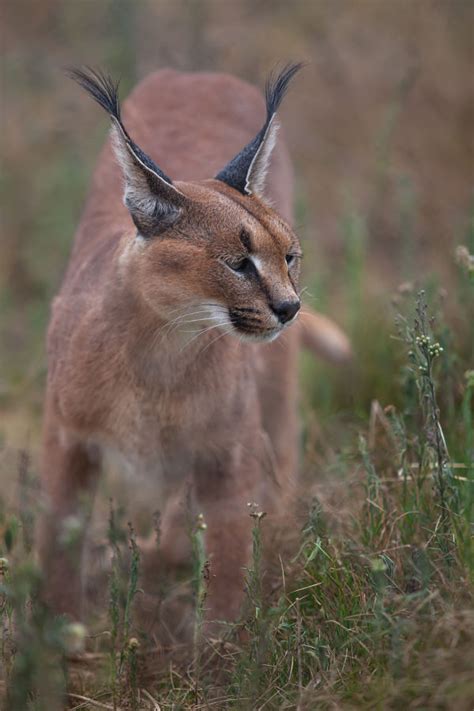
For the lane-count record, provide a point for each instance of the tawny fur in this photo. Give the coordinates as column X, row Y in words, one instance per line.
column 124, row 374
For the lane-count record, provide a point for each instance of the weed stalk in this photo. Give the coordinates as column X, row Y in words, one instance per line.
column 199, row 583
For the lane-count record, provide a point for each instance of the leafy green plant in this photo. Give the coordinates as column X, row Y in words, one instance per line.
column 369, row 606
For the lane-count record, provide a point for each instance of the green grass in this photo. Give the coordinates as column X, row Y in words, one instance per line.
column 365, row 601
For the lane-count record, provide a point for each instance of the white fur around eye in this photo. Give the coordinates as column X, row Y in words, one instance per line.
column 257, row 262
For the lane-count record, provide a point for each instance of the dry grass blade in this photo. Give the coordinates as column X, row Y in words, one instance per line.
column 156, row 705
column 93, row 702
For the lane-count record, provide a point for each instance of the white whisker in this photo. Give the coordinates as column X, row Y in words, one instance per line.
column 305, row 290
column 179, row 320
column 200, row 333
column 224, row 333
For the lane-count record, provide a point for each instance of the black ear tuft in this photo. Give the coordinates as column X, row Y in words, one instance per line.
column 247, row 170
column 152, row 199
column 105, row 92
column 100, row 86
column 276, row 87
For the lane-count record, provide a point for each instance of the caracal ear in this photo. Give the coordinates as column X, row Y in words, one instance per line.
column 152, row 199
column 247, row 171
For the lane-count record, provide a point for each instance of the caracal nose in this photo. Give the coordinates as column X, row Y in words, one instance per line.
column 286, row 310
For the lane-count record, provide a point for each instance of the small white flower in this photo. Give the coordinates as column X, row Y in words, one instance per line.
column 73, row 637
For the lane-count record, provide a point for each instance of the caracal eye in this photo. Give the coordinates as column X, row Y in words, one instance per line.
column 239, row 266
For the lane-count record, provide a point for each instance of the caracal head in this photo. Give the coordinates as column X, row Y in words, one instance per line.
column 208, row 254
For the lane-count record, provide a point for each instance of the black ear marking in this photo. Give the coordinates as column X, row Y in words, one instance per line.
column 105, row 92
column 245, row 239
column 247, row 170
column 152, row 199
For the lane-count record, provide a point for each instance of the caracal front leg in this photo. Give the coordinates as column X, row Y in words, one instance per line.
column 222, row 496
column 70, row 469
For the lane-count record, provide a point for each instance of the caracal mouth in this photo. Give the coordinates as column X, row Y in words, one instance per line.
column 260, row 335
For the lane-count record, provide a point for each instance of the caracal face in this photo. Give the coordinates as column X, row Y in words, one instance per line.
column 229, row 263
column 208, row 254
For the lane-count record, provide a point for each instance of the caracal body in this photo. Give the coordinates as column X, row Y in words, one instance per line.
column 159, row 346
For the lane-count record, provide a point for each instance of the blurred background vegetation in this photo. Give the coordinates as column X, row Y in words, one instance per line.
column 379, row 126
